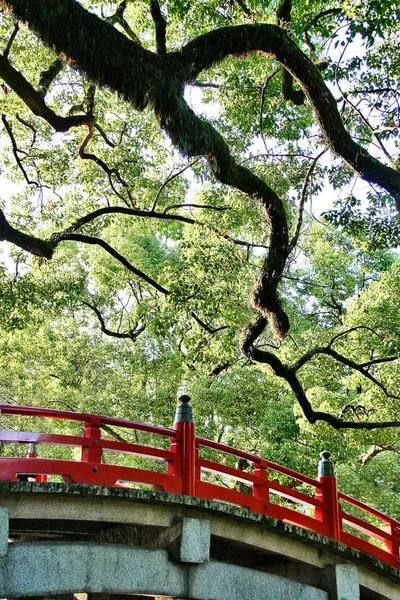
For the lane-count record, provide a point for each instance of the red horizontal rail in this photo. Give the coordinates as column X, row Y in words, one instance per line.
column 365, row 507
column 50, row 413
column 364, row 527
column 262, row 462
column 254, row 487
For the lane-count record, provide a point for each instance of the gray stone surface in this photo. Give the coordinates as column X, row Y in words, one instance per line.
column 220, row 581
column 14, row 494
column 57, row 568
column 343, row 582
column 195, row 541
column 53, row 568
column 297, row 557
column 3, row 531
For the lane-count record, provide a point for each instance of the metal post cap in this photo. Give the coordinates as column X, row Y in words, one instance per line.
column 184, row 411
column 325, row 466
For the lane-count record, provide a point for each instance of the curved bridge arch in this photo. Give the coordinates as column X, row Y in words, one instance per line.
column 69, row 539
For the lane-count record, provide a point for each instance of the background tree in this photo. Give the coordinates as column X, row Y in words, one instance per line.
column 152, row 226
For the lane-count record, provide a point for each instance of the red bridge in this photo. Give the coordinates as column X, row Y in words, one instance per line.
column 319, row 506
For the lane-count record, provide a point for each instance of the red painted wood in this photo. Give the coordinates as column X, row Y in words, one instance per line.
column 188, row 456
column 364, row 527
column 364, row 546
column 262, row 494
column 331, row 513
column 31, row 411
column 90, row 473
column 365, row 507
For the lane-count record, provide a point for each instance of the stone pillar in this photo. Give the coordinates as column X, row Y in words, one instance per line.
column 3, row 531
column 343, row 582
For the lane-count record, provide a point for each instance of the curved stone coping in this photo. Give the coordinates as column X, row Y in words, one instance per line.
column 17, row 496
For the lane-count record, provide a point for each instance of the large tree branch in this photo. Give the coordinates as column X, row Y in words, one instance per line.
column 57, row 238
column 92, row 45
column 213, row 47
column 109, row 58
column 30, row 243
column 160, row 25
column 34, row 100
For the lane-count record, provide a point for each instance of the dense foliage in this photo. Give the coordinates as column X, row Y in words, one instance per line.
column 205, row 198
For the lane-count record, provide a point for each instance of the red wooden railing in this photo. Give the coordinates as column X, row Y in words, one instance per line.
column 318, row 506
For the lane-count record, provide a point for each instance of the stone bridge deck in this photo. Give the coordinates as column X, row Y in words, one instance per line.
column 65, row 540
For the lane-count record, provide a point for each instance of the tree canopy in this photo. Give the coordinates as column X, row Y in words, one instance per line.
column 167, row 160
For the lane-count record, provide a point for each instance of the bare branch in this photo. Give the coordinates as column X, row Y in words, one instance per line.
column 146, row 214
column 10, row 41
column 325, row 13
column 170, row 178
column 205, row 84
column 346, row 361
column 244, row 8
column 99, row 242
column 160, row 26
column 118, row 17
column 303, row 199
column 207, row 326
column 204, row 206
column 105, row 136
column 35, row 102
column 47, row 77
column 15, row 151
column 378, row 361
column 30, row 126
column 109, row 171
column 132, row 334
column 289, row 375
column 263, row 93
column 356, row 328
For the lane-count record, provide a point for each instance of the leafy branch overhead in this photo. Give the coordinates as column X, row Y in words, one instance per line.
column 101, row 54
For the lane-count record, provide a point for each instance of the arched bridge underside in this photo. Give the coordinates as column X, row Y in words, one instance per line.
column 65, row 541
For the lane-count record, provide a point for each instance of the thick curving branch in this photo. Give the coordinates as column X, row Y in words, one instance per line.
column 34, row 100
column 178, row 119
column 213, row 47
column 30, row 243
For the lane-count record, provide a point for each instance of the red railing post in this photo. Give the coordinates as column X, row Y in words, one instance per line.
column 184, row 426
column 329, row 496
column 393, row 545
column 91, row 453
column 261, row 490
